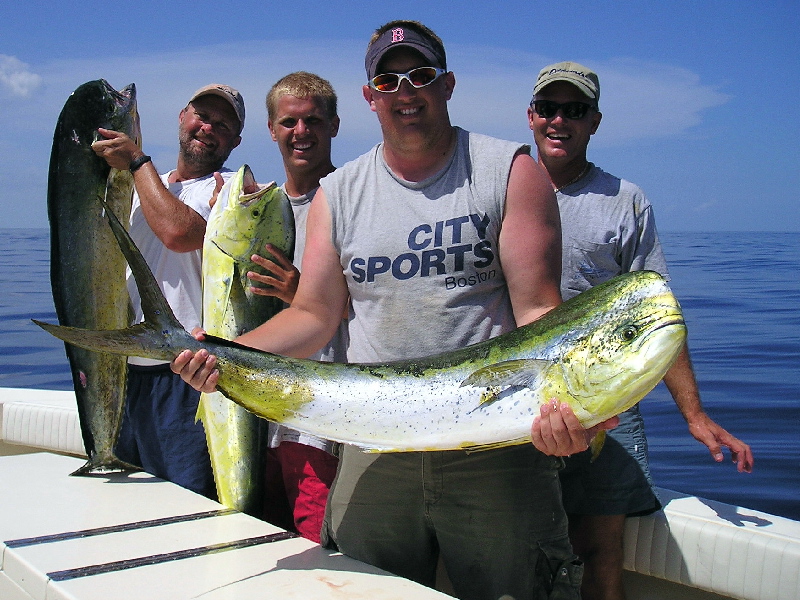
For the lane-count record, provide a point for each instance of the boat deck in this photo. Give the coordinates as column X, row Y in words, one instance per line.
column 694, row 549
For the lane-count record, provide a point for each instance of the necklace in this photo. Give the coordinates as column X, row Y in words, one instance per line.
column 580, row 176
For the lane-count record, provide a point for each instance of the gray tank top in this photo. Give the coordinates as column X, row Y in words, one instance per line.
column 421, row 258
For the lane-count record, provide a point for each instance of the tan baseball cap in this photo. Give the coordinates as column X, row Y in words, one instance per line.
column 228, row 93
column 581, row 77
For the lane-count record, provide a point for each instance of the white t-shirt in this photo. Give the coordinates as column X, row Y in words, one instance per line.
column 178, row 273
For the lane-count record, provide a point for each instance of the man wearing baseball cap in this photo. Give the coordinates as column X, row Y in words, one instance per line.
column 471, row 249
column 607, row 228
column 168, row 222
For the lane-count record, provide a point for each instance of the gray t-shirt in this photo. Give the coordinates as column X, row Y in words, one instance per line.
column 421, row 258
column 607, row 228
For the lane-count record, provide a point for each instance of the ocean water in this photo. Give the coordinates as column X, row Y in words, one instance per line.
column 740, row 294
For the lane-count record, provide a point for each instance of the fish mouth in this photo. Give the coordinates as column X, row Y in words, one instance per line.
column 662, row 323
column 676, row 320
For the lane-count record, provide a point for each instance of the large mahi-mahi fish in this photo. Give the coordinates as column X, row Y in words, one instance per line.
column 236, row 230
column 600, row 352
column 87, row 270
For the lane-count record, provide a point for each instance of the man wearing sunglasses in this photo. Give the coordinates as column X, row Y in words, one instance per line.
column 607, row 229
column 438, row 238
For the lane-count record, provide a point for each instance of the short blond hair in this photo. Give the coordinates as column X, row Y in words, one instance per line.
column 302, row 84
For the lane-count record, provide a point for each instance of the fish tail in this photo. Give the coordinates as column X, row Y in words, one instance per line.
column 160, row 336
column 99, row 465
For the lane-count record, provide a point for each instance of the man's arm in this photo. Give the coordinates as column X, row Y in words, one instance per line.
column 530, row 252
column 682, row 385
column 179, row 227
column 530, row 241
column 305, row 326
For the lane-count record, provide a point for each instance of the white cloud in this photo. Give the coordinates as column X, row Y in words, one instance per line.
column 645, row 100
column 16, row 77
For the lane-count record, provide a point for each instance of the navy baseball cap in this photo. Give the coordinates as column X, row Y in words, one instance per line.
column 402, row 36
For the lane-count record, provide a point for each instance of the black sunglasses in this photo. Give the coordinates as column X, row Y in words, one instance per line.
column 547, row 109
column 419, row 77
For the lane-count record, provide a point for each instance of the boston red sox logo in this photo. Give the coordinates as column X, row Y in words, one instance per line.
column 397, row 35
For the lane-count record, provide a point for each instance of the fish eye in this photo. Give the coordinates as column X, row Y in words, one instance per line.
column 629, row 332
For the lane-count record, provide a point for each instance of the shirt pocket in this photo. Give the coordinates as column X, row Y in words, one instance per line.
column 589, row 264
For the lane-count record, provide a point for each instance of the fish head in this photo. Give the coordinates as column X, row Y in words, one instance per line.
column 91, row 105
column 125, row 115
column 251, row 220
column 117, row 110
column 637, row 333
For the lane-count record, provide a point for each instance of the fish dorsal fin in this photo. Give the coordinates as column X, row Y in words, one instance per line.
column 156, row 310
column 597, row 443
column 523, row 372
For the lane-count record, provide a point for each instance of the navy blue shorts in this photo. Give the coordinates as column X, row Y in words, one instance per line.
column 618, row 482
column 160, row 432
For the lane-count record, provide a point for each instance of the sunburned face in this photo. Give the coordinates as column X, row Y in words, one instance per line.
column 557, row 137
column 409, row 110
column 208, row 131
column 303, row 131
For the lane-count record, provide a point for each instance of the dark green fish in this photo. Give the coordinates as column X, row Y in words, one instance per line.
column 87, row 270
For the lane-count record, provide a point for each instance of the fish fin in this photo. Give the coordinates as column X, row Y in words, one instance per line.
column 496, row 445
column 597, row 444
column 131, row 341
column 154, row 306
column 368, row 449
column 97, row 465
column 146, row 339
column 523, row 372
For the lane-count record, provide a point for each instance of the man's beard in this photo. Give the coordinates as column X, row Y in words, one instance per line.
column 199, row 157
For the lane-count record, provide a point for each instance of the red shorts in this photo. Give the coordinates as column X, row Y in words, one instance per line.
column 298, row 480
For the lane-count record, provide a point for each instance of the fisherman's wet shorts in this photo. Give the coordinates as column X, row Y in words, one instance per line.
column 618, row 482
column 159, row 431
column 495, row 516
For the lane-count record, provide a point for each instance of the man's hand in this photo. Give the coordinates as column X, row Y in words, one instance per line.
column 706, row 431
column 117, row 149
column 219, row 182
column 198, row 368
column 557, row 431
column 282, row 278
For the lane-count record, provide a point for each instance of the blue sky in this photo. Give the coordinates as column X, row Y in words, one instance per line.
column 700, row 99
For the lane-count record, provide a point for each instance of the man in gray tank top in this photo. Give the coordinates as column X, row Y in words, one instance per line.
column 438, row 238
column 608, row 228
